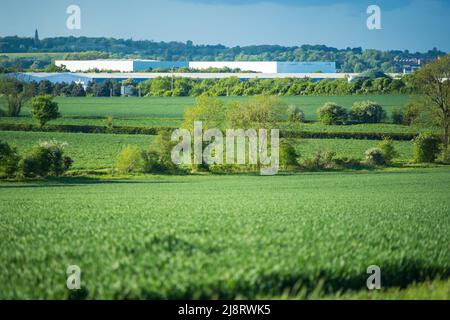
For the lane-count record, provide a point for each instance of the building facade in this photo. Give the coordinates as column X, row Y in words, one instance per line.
column 118, row 65
column 136, row 65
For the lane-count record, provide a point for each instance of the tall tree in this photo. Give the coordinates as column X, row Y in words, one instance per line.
column 434, row 81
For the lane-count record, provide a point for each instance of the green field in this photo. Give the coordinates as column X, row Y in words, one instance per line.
column 294, row 235
column 224, row 236
column 168, row 112
column 174, row 107
column 99, row 151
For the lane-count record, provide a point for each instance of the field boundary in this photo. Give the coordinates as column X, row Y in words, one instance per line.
column 155, row 130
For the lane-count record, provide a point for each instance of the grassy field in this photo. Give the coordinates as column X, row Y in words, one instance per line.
column 224, row 236
column 174, row 107
column 88, row 150
column 168, row 112
column 99, row 151
column 301, row 235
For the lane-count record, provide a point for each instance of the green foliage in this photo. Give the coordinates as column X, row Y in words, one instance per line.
column 375, row 157
column 44, row 109
column 9, row 160
column 426, row 148
column 152, row 161
column 320, row 161
column 20, row 52
column 158, row 157
column 107, row 88
column 129, row 160
column 295, row 114
column 412, row 113
column 47, row 158
column 398, row 116
column 367, row 112
column 434, row 81
column 210, row 111
column 256, row 112
column 109, row 122
column 16, row 93
column 332, row 114
column 388, row 149
column 346, row 162
column 288, row 154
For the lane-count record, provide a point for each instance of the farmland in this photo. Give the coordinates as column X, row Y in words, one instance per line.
column 99, row 151
column 168, row 112
column 221, row 236
column 174, row 107
column 182, row 237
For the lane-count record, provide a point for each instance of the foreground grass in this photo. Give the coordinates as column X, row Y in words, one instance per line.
column 428, row 290
column 239, row 236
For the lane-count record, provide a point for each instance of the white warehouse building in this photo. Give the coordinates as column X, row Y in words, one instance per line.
column 118, row 65
column 136, row 65
column 268, row 66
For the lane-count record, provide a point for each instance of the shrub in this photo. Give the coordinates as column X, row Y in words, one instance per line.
column 295, row 114
column 158, row 157
column 45, row 159
column 375, row 157
column 9, row 160
column 319, row 161
column 388, row 149
column 109, row 123
column 332, row 113
column 346, row 162
column 44, row 109
column 151, row 161
column 411, row 113
column 288, row 154
column 398, row 117
column 426, row 148
column 367, row 112
column 129, row 159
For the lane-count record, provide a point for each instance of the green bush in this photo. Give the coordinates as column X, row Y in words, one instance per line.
column 397, row 116
column 367, row 112
column 343, row 162
column 375, row 157
column 9, row 160
column 331, row 113
column 109, row 123
column 288, row 154
column 388, row 149
column 319, row 161
column 411, row 113
column 426, row 148
column 44, row 109
column 295, row 114
column 45, row 159
column 129, row 160
column 152, row 161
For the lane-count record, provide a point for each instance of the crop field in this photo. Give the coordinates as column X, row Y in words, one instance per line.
column 88, row 150
column 294, row 235
column 224, row 236
column 174, row 107
column 99, row 151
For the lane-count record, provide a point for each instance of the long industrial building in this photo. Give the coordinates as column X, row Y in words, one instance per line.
column 139, row 65
column 118, row 65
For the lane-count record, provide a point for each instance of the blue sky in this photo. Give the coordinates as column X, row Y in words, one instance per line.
column 416, row 25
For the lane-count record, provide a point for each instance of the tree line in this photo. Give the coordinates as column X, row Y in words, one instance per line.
column 347, row 60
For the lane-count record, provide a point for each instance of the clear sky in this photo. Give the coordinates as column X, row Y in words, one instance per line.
column 416, row 25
